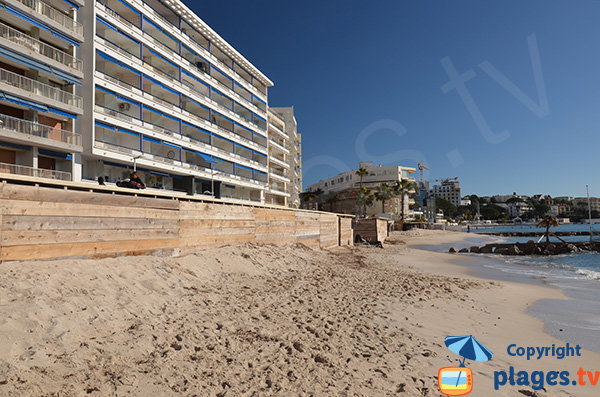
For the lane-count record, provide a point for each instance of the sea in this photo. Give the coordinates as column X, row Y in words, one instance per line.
column 575, row 320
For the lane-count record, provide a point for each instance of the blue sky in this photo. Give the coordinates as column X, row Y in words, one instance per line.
column 366, row 80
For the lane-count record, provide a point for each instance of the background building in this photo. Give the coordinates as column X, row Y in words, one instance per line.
column 448, row 190
column 41, row 75
column 343, row 188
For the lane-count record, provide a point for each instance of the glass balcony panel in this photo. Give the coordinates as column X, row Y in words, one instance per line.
column 222, row 144
column 222, row 121
column 195, row 108
column 196, row 134
column 221, row 99
column 121, row 41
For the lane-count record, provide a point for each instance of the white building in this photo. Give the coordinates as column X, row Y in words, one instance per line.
column 449, row 190
column 163, row 93
column 376, row 175
column 517, row 209
column 285, row 160
column 41, row 71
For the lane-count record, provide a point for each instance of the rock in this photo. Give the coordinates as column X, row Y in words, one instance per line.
column 538, row 250
column 528, row 249
column 464, row 250
column 453, row 250
column 530, row 242
column 475, row 250
column 572, row 248
column 549, row 250
column 501, row 251
column 486, row 249
column 514, row 250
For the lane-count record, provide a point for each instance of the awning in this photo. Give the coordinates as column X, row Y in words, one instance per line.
column 207, row 158
column 131, row 8
column 27, row 18
column 171, row 145
column 162, row 85
column 151, row 140
column 47, row 153
column 25, row 102
column 24, row 60
column 117, row 62
column 244, row 168
column 100, row 124
column 65, row 38
column 123, row 130
column 108, row 25
column 62, row 113
column 66, row 77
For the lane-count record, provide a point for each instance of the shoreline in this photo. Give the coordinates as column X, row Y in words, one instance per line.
column 265, row 320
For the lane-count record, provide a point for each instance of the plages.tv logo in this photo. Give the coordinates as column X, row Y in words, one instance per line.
column 458, row 381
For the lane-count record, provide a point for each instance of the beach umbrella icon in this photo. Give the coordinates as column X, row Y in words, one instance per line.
column 469, row 348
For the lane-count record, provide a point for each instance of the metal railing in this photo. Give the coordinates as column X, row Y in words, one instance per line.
column 28, row 42
column 37, row 88
column 44, row 131
column 52, row 13
column 15, row 169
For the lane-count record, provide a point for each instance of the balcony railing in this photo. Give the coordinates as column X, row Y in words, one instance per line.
column 28, row 42
column 37, row 88
column 276, row 172
column 14, row 169
column 44, row 131
column 52, row 13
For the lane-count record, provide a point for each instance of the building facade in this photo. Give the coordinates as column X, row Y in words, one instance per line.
column 448, row 190
column 41, row 72
column 163, row 95
column 285, row 158
column 347, row 185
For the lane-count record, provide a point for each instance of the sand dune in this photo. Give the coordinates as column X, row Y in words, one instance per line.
column 249, row 321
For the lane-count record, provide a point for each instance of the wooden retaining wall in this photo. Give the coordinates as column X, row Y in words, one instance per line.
column 47, row 223
column 375, row 229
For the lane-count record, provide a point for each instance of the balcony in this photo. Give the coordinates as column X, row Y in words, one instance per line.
column 280, row 146
column 53, row 14
column 24, row 41
column 279, row 175
column 14, row 169
column 37, row 88
column 39, row 130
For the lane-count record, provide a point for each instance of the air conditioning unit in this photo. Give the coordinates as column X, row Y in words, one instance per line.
column 124, row 106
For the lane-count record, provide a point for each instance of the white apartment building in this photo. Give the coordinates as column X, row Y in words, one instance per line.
column 285, row 175
column 41, row 73
column 163, row 94
column 377, row 175
column 449, row 190
column 169, row 97
column 294, row 158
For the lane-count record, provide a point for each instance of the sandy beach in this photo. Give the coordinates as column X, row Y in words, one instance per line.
column 266, row 320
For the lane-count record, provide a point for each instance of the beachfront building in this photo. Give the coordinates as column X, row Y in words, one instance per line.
column 40, row 87
column 285, row 158
column 166, row 95
column 449, row 190
column 343, row 188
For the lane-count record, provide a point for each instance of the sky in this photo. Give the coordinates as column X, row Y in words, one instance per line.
column 503, row 94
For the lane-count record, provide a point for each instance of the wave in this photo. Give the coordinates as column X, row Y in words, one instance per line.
column 589, row 274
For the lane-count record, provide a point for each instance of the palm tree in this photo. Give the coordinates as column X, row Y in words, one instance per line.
column 330, row 199
column 362, row 172
column 363, row 198
column 383, row 192
column 404, row 188
column 548, row 222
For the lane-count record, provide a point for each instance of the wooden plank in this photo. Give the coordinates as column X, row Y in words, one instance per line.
column 216, row 232
column 41, row 208
column 48, row 251
column 187, row 243
column 17, row 222
column 214, row 223
column 29, row 193
column 30, row 237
